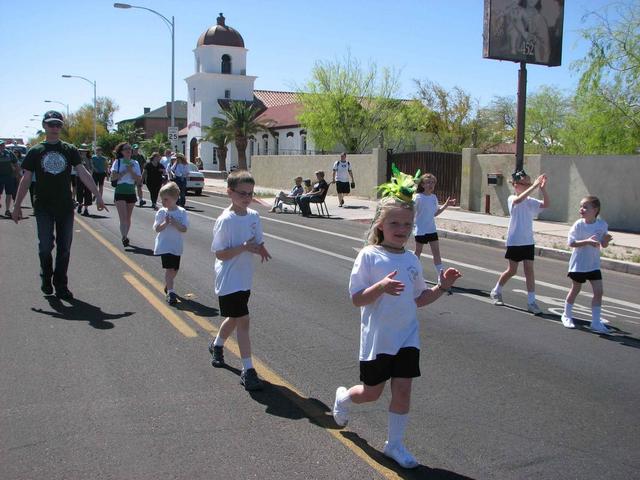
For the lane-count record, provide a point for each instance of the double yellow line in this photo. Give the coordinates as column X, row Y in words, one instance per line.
column 315, row 414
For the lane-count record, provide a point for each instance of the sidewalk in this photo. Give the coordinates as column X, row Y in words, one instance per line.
column 470, row 226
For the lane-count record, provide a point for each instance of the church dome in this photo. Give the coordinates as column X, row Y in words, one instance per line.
column 221, row 34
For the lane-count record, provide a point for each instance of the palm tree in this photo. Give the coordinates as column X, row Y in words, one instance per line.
column 239, row 122
column 216, row 133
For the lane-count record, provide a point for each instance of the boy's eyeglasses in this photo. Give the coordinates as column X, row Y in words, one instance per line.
column 243, row 194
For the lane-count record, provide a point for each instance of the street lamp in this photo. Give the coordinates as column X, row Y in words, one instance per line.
column 95, row 108
column 59, row 103
column 172, row 29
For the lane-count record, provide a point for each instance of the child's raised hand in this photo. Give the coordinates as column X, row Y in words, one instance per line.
column 391, row 286
column 541, row 181
column 265, row 256
column 448, row 277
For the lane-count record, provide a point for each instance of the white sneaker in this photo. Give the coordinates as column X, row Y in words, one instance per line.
column 340, row 411
column 534, row 308
column 567, row 322
column 599, row 328
column 400, row 454
column 496, row 297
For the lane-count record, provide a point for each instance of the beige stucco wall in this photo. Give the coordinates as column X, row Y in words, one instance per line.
column 614, row 179
column 278, row 171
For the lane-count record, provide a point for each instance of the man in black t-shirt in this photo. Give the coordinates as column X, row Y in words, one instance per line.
column 51, row 161
column 316, row 195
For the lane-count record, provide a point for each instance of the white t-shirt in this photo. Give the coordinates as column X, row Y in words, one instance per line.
column 342, row 170
column 120, row 165
column 586, row 258
column 169, row 240
column 390, row 323
column 166, row 162
column 426, row 208
column 181, row 170
column 232, row 230
column 520, row 230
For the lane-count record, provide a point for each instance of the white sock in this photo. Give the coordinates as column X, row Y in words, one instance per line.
column 219, row 341
column 397, row 426
column 438, row 268
column 531, row 297
column 345, row 400
column 171, row 290
column 497, row 288
column 247, row 363
column 568, row 310
column 595, row 314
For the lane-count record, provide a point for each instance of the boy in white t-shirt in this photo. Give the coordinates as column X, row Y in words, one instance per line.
column 171, row 222
column 341, row 173
column 520, row 242
column 586, row 237
column 237, row 234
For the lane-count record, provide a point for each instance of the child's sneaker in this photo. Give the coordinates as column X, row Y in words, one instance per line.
column 567, row 322
column 599, row 327
column 400, row 454
column 250, row 381
column 496, row 297
column 217, row 355
column 172, row 298
column 534, row 308
column 340, row 411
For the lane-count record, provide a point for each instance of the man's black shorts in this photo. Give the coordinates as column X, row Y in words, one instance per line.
column 343, row 187
column 170, row 261
column 404, row 364
column 519, row 253
column 427, row 237
column 235, row 304
column 582, row 277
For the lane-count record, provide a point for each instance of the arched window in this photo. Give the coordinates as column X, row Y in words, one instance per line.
column 276, row 143
column 303, row 141
column 265, row 143
column 226, row 64
column 252, row 142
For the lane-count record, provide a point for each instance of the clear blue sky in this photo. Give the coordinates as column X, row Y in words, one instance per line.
column 128, row 52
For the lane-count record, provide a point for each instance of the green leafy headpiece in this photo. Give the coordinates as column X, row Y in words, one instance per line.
column 400, row 186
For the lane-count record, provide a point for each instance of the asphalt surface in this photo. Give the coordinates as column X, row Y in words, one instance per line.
column 112, row 386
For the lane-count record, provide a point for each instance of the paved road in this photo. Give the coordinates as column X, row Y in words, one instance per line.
column 116, row 385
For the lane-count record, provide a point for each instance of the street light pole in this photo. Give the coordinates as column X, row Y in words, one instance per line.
column 59, row 103
column 95, row 108
column 172, row 29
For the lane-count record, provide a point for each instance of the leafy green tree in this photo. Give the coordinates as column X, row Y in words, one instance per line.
column 239, row 122
column 130, row 133
column 158, row 143
column 547, row 112
column 218, row 134
column 345, row 105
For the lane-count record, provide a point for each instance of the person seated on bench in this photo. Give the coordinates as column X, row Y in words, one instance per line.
column 316, row 195
column 288, row 198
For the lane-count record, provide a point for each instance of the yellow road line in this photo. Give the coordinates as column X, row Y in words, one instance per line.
column 161, row 307
column 230, row 345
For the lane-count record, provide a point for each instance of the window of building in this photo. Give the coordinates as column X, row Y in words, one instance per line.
column 265, row 143
column 226, row 64
column 303, row 141
column 227, row 94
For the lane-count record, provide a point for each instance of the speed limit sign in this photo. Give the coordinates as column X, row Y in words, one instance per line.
column 172, row 134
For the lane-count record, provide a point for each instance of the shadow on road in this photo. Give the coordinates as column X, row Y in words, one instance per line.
column 421, row 472
column 139, row 251
column 81, row 311
column 190, row 305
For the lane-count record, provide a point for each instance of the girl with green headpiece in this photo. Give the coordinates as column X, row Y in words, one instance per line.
column 387, row 284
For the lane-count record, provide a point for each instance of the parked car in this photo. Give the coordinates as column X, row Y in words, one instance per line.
column 195, row 182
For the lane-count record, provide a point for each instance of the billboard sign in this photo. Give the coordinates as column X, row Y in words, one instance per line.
column 524, row 31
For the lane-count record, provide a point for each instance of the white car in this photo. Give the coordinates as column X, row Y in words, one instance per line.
column 195, row 181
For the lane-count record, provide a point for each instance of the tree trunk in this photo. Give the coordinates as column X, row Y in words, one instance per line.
column 241, row 146
column 222, row 159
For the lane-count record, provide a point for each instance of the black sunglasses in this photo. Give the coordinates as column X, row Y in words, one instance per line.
column 55, row 124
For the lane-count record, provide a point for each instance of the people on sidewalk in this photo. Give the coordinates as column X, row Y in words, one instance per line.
column 316, row 194
column 288, row 198
column 520, row 241
column 171, row 222
column 341, row 173
column 52, row 161
column 587, row 236
column 427, row 209
column 237, row 235
column 126, row 172
column 387, row 284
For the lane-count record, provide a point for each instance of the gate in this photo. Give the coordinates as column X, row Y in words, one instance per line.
column 447, row 167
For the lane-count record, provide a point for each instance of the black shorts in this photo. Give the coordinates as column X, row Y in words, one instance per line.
column 582, row 277
column 235, row 304
column 170, row 261
column 99, row 178
column 343, row 187
column 520, row 252
column 404, row 364
column 427, row 237
column 125, row 197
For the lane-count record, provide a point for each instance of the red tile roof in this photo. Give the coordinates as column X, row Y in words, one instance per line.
column 272, row 98
column 282, row 115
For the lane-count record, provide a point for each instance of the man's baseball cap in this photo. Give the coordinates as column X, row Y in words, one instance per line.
column 53, row 116
column 134, row 146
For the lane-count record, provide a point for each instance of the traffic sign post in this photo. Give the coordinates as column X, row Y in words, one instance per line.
column 172, row 133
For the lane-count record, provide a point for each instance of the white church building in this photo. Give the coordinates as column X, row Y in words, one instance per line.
column 220, row 76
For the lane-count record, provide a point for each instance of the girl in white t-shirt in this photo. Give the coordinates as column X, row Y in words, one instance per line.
column 427, row 209
column 520, row 242
column 586, row 237
column 387, row 284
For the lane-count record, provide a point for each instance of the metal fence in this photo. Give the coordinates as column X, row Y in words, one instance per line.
column 447, row 168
